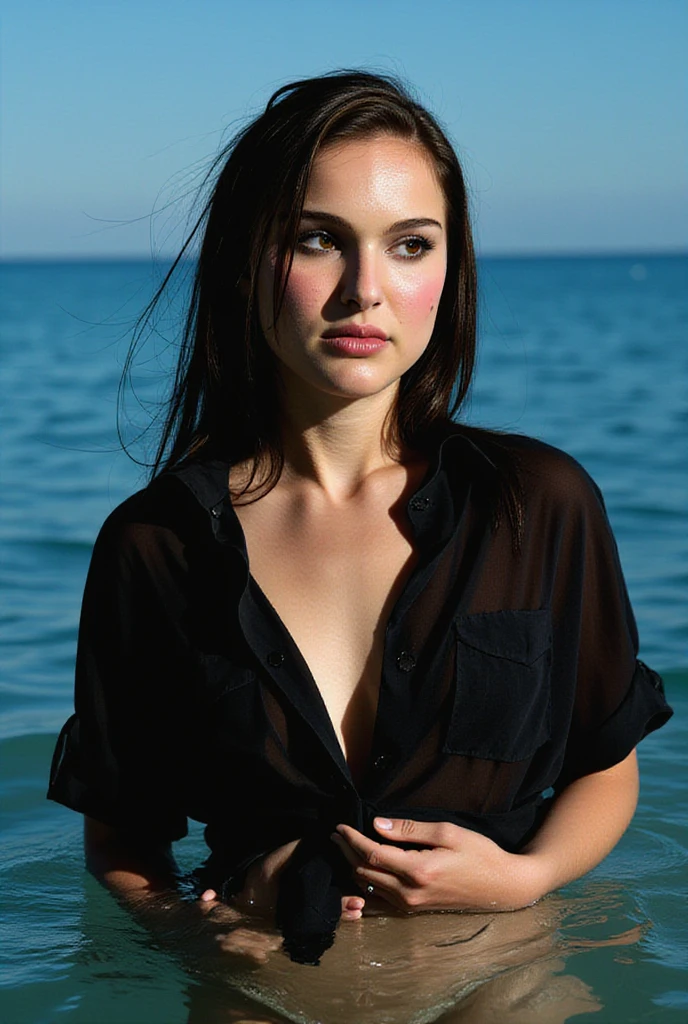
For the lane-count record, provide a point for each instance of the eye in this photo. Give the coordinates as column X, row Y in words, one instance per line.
column 316, row 242
column 412, row 248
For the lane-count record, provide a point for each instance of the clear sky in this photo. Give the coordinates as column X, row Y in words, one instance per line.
column 570, row 115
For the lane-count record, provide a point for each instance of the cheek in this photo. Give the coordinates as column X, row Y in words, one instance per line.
column 419, row 300
column 303, row 300
column 303, row 297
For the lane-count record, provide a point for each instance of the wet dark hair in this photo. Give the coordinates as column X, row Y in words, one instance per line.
column 225, row 398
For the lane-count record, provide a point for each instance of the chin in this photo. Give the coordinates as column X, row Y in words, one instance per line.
column 360, row 387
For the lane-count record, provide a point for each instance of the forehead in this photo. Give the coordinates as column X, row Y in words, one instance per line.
column 380, row 172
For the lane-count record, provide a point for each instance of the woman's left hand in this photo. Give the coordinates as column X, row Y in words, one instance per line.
column 458, row 869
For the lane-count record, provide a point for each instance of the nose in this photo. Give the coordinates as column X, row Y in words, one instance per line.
column 361, row 285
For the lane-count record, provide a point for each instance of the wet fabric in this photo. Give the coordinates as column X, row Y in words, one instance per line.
column 509, row 671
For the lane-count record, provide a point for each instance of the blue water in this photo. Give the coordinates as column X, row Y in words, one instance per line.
column 588, row 354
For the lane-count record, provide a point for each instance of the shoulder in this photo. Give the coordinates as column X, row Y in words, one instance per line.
column 537, row 485
column 556, row 486
column 156, row 522
column 544, row 472
column 550, row 471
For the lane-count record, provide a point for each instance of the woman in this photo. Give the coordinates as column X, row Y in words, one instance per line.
column 382, row 656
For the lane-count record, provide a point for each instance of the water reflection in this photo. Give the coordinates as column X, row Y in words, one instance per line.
column 451, row 968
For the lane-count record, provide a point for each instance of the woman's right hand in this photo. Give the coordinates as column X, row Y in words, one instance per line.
column 262, row 883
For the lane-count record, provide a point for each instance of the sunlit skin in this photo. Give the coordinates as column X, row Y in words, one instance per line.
column 372, row 250
column 372, row 253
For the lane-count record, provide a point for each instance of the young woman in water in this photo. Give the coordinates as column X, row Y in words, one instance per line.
column 387, row 659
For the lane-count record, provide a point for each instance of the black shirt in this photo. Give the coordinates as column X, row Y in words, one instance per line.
column 509, row 671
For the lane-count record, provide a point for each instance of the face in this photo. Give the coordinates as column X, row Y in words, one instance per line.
column 368, row 270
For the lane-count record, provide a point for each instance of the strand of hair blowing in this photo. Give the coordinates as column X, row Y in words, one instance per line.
column 225, row 398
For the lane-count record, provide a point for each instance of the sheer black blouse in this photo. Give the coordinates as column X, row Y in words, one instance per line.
column 509, row 671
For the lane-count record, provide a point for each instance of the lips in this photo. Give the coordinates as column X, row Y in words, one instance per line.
column 355, row 331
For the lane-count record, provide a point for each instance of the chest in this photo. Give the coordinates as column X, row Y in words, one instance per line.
column 333, row 576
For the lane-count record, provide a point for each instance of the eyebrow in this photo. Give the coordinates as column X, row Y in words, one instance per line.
column 409, row 224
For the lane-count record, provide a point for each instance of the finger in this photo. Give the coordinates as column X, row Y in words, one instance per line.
column 215, row 910
column 245, row 942
column 353, row 903
column 426, row 833
column 378, row 855
column 379, row 881
column 349, row 854
column 386, row 887
column 352, row 908
column 384, row 884
column 411, row 898
column 347, row 833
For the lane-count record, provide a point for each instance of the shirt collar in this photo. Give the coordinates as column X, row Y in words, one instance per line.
column 437, row 506
column 434, row 510
column 208, row 481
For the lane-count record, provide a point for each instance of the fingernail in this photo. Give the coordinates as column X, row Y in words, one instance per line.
column 384, row 823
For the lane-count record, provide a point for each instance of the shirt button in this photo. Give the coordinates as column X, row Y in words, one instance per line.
column 338, row 782
column 380, row 762
column 406, row 662
column 216, row 511
column 275, row 659
column 419, row 504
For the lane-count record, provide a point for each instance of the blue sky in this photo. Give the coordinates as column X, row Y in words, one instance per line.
column 570, row 115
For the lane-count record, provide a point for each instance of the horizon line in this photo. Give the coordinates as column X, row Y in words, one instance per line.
column 574, row 253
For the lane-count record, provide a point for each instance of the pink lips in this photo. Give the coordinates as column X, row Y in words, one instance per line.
column 355, row 339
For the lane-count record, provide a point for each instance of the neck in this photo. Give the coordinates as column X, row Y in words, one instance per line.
column 335, row 443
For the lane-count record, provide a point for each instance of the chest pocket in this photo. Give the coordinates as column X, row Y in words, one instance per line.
column 501, row 708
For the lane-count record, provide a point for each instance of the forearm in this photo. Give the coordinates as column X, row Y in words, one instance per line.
column 585, row 823
column 456, row 868
column 145, row 880
column 130, row 869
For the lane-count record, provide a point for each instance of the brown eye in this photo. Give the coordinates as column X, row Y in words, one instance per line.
column 317, row 241
column 413, row 248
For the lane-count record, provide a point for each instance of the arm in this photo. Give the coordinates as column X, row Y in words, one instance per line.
column 144, row 879
column 462, row 870
column 585, row 824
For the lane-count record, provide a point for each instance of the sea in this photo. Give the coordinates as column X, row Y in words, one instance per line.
column 589, row 354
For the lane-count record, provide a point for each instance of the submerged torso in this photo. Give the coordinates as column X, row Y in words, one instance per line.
column 332, row 572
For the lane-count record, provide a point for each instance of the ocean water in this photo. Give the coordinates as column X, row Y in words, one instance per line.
column 588, row 354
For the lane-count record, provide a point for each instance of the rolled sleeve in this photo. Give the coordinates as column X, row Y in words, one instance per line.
column 616, row 700
column 116, row 757
column 643, row 710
